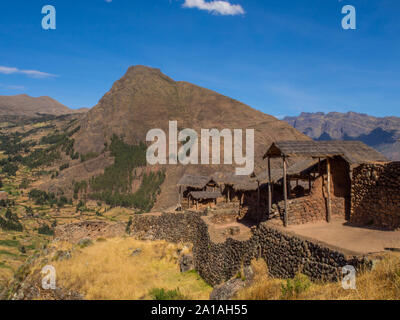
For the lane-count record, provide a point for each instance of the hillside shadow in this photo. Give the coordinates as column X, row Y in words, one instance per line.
column 375, row 138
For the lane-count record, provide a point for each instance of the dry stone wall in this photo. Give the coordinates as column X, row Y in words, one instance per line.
column 375, row 195
column 284, row 253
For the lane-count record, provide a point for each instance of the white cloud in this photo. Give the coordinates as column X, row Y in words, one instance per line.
column 215, row 7
column 7, row 70
column 11, row 87
column 29, row 73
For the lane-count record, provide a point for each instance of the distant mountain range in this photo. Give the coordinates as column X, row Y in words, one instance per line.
column 24, row 105
column 383, row 134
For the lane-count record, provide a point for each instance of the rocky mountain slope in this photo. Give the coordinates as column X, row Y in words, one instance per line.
column 24, row 105
column 383, row 134
column 144, row 99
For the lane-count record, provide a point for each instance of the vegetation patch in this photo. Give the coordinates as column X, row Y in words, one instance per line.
column 114, row 186
column 163, row 294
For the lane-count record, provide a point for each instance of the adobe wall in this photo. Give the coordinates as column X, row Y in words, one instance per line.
column 375, row 195
column 313, row 207
column 284, row 253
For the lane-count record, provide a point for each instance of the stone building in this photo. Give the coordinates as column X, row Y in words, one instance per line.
column 326, row 166
column 345, row 179
column 197, row 191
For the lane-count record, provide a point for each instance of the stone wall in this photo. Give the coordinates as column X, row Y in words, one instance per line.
column 284, row 253
column 313, row 207
column 375, row 195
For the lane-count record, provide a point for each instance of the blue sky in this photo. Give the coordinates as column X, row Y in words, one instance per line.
column 280, row 57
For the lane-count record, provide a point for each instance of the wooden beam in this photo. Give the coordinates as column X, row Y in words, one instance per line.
column 269, row 187
column 285, row 216
column 328, row 169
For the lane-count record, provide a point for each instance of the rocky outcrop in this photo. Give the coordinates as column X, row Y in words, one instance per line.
column 227, row 290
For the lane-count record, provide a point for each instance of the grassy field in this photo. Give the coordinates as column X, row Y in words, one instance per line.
column 382, row 283
column 108, row 270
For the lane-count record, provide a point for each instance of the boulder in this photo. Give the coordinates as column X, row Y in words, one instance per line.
column 186, row 263
column 136, row 252
column 227, row 290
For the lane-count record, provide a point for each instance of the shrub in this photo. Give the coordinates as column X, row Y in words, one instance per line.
column 29, row 211
column 163, row 294
column 83, row 243
column 62, row 202
column 42, row 197
column 64, row 166
column 11, row 222
column 128, row 226
column 294, row 287
column 46, row 230
column 24, row 183
column 88, row 156
column 10, row 169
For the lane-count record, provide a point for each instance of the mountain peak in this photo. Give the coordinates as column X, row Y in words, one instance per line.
column 25, row 105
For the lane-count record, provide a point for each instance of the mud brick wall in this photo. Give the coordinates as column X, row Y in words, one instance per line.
column 375, row 195
column 284, row 253
column 314, row 207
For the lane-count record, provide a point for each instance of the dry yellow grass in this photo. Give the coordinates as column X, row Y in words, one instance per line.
column 107, row 270
column 382, row 283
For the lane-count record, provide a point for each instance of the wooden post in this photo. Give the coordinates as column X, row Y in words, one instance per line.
column 269, row 187
column 319, row 166
column 229, row 195
column 328, row 169
column 242, row 198
column 197, row 204
column 258, row 200
column 285, row 216
column 309, row 183
column 180, row 205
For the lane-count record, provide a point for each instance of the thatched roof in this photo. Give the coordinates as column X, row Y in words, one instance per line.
column 245, row 183
column 301, row 166
column 227, row 178
column 262, row 177
column 354, row 152
column 201, row 195
column 193, row 181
